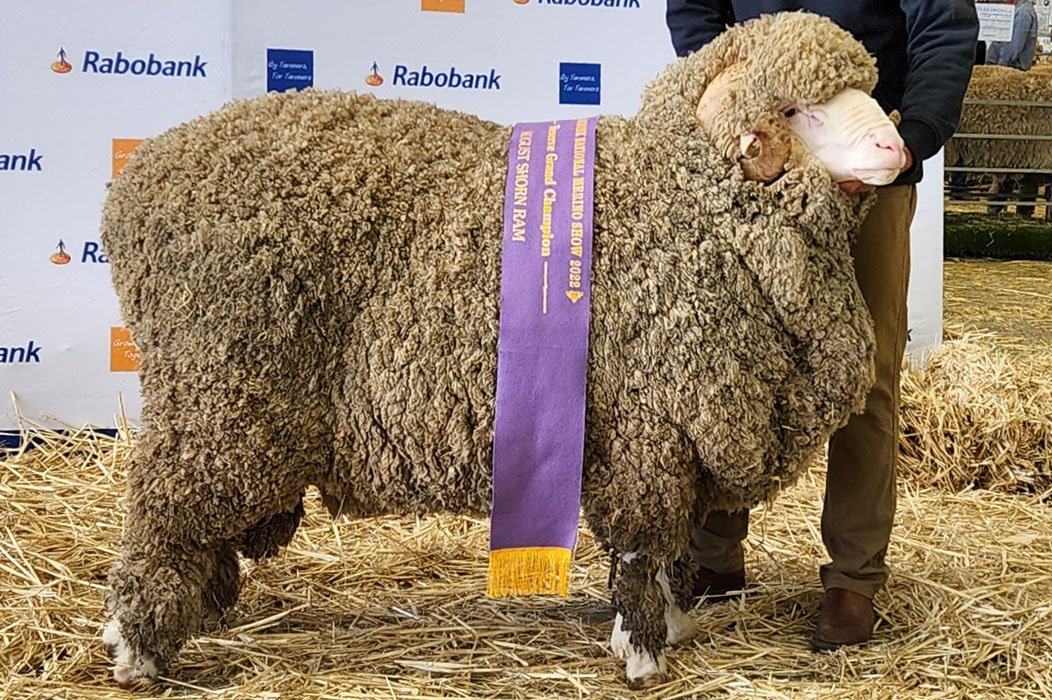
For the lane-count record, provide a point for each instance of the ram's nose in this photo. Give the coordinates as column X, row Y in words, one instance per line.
column 889, row 147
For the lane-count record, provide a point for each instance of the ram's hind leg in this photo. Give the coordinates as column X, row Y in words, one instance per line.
column 155, row 600
column 220, row 593
column 190, row 497
column 156, row 587
column 268, row 536
column 262, row 540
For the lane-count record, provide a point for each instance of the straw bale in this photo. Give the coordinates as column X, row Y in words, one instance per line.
column 979, row 413
column 976, row 416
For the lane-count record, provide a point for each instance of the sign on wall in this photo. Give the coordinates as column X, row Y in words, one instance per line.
column 995, row 20
column 85, row 82
column 1044, row 19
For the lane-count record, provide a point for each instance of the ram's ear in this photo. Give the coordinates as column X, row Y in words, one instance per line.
column 764, row 152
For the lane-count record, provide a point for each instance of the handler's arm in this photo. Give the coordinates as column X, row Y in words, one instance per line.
column 941, row 48
column 694, row 23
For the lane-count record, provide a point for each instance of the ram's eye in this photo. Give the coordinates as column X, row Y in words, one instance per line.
column 790, row 113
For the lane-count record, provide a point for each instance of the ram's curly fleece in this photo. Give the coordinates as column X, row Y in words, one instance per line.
column 313, row 281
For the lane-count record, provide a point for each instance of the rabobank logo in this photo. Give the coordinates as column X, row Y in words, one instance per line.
column 619, row 4
column 60, row 256
column 289, row 69
column 447, row 77
column 89, row 253
column 22, row 161
column 579, row 83
column 20, row 354
column 151, row 65
column 374, row 79
column 61, row 65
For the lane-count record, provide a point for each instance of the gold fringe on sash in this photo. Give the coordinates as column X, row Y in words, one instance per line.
column 529, row 571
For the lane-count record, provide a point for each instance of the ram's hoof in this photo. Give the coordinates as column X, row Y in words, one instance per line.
column 651, row 681
column 641, row 669
column 680, row 626
column 128, row 666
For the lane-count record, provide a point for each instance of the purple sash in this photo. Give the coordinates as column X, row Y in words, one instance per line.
column 542, row 357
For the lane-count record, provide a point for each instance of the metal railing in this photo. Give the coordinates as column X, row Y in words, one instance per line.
column 1007, row 198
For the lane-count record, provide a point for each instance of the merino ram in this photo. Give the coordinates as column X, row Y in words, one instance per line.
column 313, row 281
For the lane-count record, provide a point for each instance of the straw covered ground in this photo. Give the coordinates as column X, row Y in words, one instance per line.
column 394, row 607
column 1012, row 300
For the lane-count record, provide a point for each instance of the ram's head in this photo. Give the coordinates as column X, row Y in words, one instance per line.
column 849, row 134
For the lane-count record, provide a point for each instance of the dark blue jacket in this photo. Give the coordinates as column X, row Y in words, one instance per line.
column 924, row 50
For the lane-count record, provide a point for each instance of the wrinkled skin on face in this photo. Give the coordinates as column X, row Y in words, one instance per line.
column 850, row 135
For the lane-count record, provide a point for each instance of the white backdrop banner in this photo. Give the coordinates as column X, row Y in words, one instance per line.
column 84, row 82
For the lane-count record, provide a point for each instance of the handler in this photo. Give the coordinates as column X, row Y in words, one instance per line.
column 924, row 51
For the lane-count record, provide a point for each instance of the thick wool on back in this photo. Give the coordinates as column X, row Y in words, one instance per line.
column 1005, row 84
column 313, row 280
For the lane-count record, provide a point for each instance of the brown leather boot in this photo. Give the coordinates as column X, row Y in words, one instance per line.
column 712, row 587
column 845, row 618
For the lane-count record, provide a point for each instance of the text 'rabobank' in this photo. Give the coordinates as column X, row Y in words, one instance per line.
column 445, row 78
column 151, row 65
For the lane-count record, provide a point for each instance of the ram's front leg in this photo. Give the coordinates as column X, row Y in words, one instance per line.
column 641, row 630
column 676, row 584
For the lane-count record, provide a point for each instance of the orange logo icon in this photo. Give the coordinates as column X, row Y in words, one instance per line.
column 442, row 5
column 522, row 2
column 124, row 355
column 374, row 78
column 62, row 65
column 60, row 257
column 122, row 151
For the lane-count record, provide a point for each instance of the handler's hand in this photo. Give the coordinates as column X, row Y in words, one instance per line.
column 859, row 187
column 855, row 187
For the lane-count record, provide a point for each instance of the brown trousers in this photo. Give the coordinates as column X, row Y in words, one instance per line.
column 859, row 502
